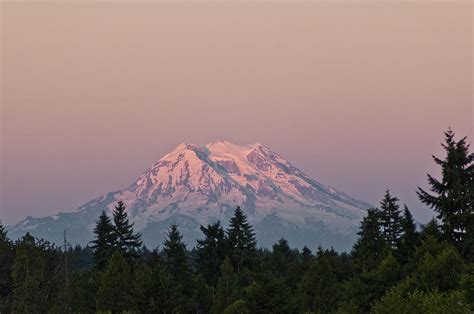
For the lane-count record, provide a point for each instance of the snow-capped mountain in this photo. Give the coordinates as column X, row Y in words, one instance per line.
column 193, row 186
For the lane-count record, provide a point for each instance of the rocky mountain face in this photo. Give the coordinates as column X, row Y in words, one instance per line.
column 195, row 185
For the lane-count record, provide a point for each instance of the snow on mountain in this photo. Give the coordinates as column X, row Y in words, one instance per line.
column 194, row 185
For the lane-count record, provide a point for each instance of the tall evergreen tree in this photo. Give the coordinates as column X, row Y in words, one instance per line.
column 369, row 248
column 174, row 253
column 211, row 251
column 116, row 290
column 409, row 239
column 453, row 197
column 37, row 276
column 227, row 290
column 6, row 264
column 390, row 220
column 241, row 240
column 128, row 242
column 104, row 244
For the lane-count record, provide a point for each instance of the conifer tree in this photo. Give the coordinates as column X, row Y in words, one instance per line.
column 211, row 251
column 174, row 253
column 453, row 197
column 128, row 242
column 227, row 290
column 431, row 230
column 390, row 220
column 104, row 244
column 241, row 240
column 116, row 290
column 36, row 275
column 409, row 239
column 6, row 264
column 370, row 246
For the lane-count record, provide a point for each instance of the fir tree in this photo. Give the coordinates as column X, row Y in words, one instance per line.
column 409, row 239
column 116, row 290
column 227, row 290
column 370, row 246
column 6, row 264
column 174, row 253
column 128, row 242
column 453, row 197
column 211, row 251
column 241, row 240
column 390, row 220
column 104, row 244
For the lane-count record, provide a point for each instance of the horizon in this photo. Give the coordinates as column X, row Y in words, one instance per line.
column 87, row 107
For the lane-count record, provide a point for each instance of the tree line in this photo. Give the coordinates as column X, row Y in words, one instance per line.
column 394, row 267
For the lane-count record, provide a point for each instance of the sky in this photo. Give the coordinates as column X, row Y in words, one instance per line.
column 356, row 94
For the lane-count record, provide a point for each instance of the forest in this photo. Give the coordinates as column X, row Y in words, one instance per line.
column 396, row 265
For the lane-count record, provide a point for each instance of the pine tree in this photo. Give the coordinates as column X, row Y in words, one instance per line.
column 104, row 244
column 390, row 220
column 409, row 239
column 174, row 253
column 6, row 264
column 241, row 240
column 369, row 248
column 227, row 290
column 37, row 276
column 116, row 290
column 319, row 287
column 211, row 251
column 128, row 242
column 453, row 197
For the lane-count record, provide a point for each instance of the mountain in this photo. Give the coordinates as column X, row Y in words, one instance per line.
column 195, row 185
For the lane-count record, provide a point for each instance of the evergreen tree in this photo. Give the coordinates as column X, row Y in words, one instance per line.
column 174, row 253
column 6, row 264
column 431, row 229
column 370, row 246
column 103, row 246
column 409, row 239
column 390, row 220
column 211, row 251
column 37, row 276
column 128, row 242
column 241, row 241
column 116, row 290
column 283, row 260
column 227, row 289
column 319, row 286
column 269, row 294
column 453, row 197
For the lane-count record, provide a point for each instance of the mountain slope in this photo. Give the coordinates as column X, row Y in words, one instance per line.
column 196, row 185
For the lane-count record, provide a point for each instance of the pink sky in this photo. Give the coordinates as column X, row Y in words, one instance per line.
column 357, row 95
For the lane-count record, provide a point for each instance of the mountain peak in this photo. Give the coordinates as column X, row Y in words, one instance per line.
column 204, row 184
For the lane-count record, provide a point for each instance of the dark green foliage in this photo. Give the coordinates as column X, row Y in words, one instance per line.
column 174, row 252
column 228, row 289
column 6, row 265
column 127, row 242
column 116, row 290
column 410, row 237
column 370, row 246
column 241, row 241
column 390, row 220
column 37, row 276
column 319, row 288
column 420, row 302
column 453, row 197
column 269, row 294
column 211, row 251
column 104, row 243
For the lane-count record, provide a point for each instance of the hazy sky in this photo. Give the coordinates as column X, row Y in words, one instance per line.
column 355, row 94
